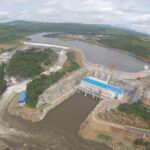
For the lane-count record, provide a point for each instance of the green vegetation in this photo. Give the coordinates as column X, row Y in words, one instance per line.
column 39, row 85
column 9, row 34
column 73, row 66
column 138, row 142
column 104, row 137
column 12, row 31
column 47, row 61
column 2, row 81
column 136, row 109
column 131, row 44
column 28, row 63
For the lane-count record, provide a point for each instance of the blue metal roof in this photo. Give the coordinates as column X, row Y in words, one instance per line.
column 22, row 97
column 102, row 85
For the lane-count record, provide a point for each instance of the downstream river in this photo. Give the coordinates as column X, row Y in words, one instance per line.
column 96, row 54
column 58, row 130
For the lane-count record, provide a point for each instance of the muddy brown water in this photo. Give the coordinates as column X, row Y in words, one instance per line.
column 58, row 130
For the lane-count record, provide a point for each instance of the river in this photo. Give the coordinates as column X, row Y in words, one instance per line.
column 58, row 130
column 96, row 54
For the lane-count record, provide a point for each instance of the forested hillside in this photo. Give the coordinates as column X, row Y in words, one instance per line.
column 9, row 34
column 12, row 31
column 133, row 44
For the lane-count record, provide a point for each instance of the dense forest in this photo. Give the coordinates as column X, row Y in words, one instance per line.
column 39, row 85
column 2, row 81
column 12, row 31
column 28, row 63
column 10, row 34
column 136, row 109
column 131, row 44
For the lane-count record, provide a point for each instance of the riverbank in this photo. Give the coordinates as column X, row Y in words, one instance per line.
column 37, row 114
column 123, row 51
column 120, row 136
column 93, row 40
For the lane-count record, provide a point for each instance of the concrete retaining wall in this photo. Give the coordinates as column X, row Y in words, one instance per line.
column 62, row 87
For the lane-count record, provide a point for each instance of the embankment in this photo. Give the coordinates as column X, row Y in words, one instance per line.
column 93, row 126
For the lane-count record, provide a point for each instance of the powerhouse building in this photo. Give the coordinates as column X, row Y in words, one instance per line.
column 100, row 88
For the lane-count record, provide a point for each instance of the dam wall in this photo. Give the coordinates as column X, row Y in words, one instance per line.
column 115, row 74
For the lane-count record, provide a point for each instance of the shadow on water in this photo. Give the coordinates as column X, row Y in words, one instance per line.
column 59, row 129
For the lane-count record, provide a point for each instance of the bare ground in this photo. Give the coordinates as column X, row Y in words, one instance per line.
column 121, row 138
column 115, row 116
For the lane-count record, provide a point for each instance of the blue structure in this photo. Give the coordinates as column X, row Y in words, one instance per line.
column 22, row 97
column 102, row 85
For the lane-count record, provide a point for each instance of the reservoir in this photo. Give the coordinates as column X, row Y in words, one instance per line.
column 96, row 54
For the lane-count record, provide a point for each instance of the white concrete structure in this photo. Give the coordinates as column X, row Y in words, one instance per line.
column 98, row 88
column 45, row 45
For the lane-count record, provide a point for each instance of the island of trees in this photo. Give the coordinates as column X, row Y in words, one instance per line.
column 29, row 63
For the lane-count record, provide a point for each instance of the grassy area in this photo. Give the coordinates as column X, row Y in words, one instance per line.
column 2, row 81
column 28, row 63
column 104, row 137
column 136, row 109
column 39, row 85
column 131, row 44
column 138, row 142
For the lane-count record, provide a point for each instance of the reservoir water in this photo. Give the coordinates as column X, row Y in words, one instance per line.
column 96, row 54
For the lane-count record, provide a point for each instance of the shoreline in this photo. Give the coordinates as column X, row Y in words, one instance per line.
column 37, row 114
column 115, row 49
column 105, row 46
column 93, row 126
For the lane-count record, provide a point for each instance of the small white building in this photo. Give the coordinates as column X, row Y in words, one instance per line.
column 99, row 88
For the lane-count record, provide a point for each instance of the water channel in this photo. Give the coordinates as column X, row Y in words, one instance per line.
column 58, row 130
